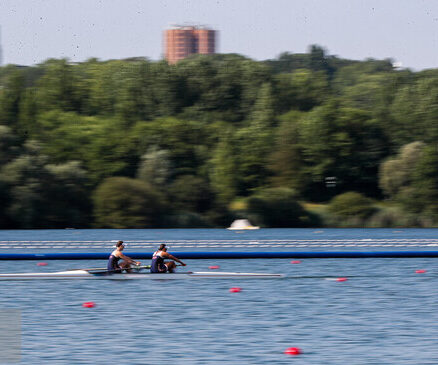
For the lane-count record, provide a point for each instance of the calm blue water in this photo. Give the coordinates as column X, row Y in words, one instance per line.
column 384, row 313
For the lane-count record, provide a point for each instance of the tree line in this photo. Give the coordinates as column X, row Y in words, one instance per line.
column 298, row 141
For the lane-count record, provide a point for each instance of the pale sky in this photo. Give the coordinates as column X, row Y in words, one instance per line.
column 404, row 30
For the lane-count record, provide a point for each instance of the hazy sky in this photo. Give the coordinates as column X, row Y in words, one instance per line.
column 405, row 30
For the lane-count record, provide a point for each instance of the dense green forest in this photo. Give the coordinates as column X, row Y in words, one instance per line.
column 302, row 140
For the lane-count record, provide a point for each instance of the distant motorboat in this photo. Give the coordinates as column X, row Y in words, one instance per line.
column 241, row 224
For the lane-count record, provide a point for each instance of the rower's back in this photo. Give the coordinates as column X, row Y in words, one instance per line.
column 157, row 264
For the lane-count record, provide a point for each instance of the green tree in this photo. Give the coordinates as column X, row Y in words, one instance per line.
column 103, row 145
column 351, row 205
column 191, row 193
column 155, row 167
column 27, row 126
column 67, row 194
column 262, row 115
column 344, row 143
column 317, row 60
column 367, row 91
column 9, row 148
column 398, row 172
column 57, row 89
column 104, row 84
column 286, row 160
column 277, row 208
column 25, row 179
column 414, row 111
column 43, row 195
column 169, row 90
column 221, row 87
column 134, row 96
column 186, row 142
column 121, row 202
column 422, row 195
column 410, row 179
column 288, row 62
column 11, row 93
column 301, row 90
column 223, row 167
column 253, row 144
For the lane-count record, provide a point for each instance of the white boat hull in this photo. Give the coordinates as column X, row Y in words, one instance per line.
column 84, row 274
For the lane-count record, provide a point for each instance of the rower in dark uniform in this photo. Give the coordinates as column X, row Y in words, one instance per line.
column 116, row 256
column 159, row 266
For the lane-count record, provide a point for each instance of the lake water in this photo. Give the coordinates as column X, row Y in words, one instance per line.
column 384, row 313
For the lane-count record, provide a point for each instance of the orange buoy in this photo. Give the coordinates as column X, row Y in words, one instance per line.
column 42, row 264
column 421, row 271
column 89, row 304
column 295, row 262
column 214, row 267
column 235, row 290
column 341, row 279
column 293, row 351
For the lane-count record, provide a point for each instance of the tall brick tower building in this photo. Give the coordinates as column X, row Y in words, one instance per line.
column 181, row 41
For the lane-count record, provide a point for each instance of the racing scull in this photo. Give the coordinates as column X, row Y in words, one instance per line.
column 91, row 274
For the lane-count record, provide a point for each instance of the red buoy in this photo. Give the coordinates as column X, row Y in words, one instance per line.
column 295, row 262
column 293, row 351
column 42, row 264
column 214, row 267
column 235, row 290
column 89, row 304
column 421, row 271
column 341, row 279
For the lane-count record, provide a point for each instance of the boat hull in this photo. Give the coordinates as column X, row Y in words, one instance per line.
column 83, row 274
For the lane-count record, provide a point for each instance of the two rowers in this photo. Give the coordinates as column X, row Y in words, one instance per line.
column 158, row 265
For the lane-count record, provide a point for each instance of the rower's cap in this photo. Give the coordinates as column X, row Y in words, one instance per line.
column 163, row 245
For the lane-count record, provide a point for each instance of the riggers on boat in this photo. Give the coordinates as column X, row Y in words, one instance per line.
column 93, row 274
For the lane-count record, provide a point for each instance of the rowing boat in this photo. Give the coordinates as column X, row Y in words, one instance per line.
column 90, row 274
